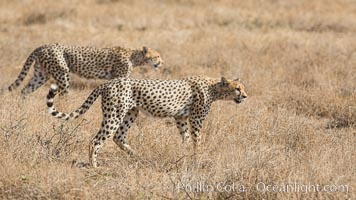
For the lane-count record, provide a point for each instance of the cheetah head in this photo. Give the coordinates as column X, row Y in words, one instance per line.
column 152, row 57
column 233, row 90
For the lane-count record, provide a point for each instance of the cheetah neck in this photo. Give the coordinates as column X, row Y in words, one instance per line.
column 137, row 58
column 215, row 90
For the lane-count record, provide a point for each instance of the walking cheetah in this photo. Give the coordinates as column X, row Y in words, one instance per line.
column 187, row 99
column 57, row 61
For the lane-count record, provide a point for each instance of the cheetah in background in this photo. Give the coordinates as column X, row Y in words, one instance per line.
column 187, row 99
column 57, row 61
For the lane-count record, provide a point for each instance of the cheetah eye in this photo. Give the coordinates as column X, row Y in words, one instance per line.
column 238, row 89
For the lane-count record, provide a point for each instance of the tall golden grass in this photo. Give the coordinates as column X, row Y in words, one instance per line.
column 296, row 58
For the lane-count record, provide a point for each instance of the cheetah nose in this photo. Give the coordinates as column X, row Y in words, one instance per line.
column 244, row 96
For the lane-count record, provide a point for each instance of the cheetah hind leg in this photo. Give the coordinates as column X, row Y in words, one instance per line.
column 109, row 126
column 63, row 81
column 120, row 135
column 61, row 76
column 40, row 77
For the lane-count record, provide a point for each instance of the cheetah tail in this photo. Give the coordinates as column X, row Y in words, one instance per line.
column 73, row 115
column 24, row 71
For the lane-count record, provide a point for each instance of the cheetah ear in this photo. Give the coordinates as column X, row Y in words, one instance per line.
column 224, row 81
column 145, row 49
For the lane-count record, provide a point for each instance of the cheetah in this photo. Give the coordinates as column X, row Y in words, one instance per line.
column 186, row 100
column 57, row 61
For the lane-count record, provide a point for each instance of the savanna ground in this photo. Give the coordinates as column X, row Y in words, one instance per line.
column 296, row 58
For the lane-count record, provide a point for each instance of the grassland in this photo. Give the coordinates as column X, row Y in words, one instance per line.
column 297, row 59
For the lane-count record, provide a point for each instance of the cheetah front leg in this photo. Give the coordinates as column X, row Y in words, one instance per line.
column 120, row 135
column 199, row 112
column 122, row 70
column 182, row 125
column 196, row 125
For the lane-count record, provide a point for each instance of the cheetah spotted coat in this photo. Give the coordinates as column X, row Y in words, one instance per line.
column 187, row 99
column 57, row 61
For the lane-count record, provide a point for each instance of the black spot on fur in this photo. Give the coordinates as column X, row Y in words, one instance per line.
column 49, row 104
column 50, row 95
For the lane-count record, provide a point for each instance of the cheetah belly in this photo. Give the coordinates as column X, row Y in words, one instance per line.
column 164, row 98
column 171, row 110
column 91, row 65
column 92, row 69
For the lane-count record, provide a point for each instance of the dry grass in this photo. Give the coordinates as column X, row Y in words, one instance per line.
column 297, row 59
